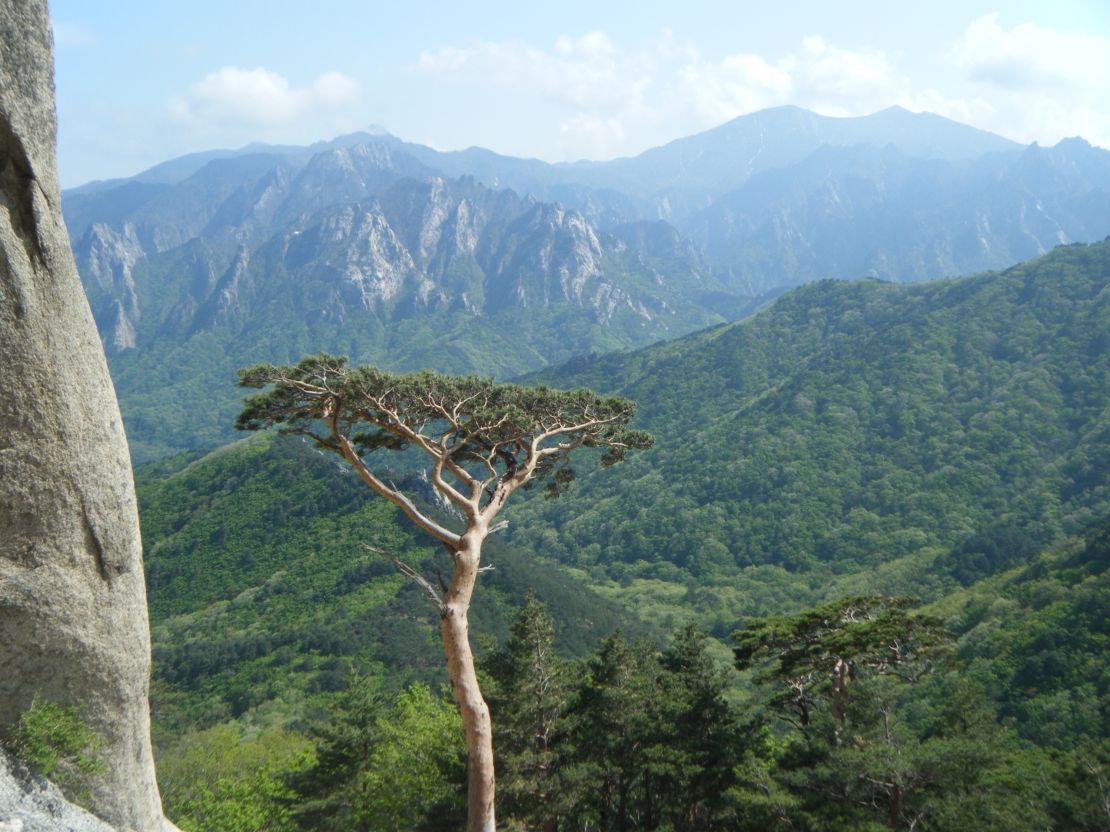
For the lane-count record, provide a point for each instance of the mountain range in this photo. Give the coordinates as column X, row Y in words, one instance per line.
column 884, row 428
column 468, row 261
column 349, row 254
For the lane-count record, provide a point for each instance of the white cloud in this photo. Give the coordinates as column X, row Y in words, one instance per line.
column 586, row 72
column 838, row 81
column 335, row 88
column 737, row 84
column 1028, row 83
column 619, row 100
column 1030, row 57
column 1032, row 83
column 260, row 99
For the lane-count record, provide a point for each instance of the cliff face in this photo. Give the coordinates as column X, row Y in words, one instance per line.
column 73, row 620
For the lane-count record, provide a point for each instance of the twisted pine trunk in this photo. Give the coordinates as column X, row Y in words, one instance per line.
column 464, row 682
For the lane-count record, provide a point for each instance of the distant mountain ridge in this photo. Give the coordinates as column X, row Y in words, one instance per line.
column 716, row 184
column 719, row 159
column 723, row 158
column 856, row 211
column 362, row 250
column 469, row 261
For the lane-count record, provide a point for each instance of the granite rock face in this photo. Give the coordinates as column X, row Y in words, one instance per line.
column 73, row 618
column 33, row 804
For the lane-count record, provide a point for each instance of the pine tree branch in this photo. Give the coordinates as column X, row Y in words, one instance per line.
column 422, row 582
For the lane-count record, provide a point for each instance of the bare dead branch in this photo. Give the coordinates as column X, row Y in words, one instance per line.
column 422, row 582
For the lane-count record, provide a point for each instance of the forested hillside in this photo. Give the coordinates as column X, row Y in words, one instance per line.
column 921, row 436
column 1037, row 637
column 993, row 710
column 262, row 592
column 816, row 465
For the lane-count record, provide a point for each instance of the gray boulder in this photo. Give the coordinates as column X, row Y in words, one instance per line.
column 73, row 618
column 33, row 804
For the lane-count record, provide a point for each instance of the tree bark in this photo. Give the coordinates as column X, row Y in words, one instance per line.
column 841, row 674
column 894, row 810
column 464, row 682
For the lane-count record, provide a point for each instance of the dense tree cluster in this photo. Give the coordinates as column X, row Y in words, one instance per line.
column 851, row 426
column 1007, row 724
column 634, row 737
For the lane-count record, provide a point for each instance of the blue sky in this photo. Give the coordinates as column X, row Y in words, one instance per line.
column 141, row 82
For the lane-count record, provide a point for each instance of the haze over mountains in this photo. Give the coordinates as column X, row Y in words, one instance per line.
column 469, row 261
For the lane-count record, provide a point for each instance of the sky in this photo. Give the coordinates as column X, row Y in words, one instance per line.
column 139, row 82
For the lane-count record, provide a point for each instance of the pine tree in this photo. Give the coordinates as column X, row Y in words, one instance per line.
column 701, row 736
column 613, row 763
column 485, row 441
column 529, row 701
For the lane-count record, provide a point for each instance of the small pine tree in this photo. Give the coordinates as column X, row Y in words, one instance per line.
column 529, row 700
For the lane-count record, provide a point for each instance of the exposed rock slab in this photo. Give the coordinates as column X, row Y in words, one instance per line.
column 73, row 619
column 33, row 804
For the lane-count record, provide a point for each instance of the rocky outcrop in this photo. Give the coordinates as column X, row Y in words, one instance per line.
column 73, row 619
column 33, row 804
column 107, row 258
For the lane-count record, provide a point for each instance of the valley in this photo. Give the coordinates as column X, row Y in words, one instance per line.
column 837, row 415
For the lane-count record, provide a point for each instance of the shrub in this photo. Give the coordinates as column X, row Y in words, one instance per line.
column 54, row 741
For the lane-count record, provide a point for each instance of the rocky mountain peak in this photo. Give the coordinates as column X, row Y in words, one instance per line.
column 107, row 258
